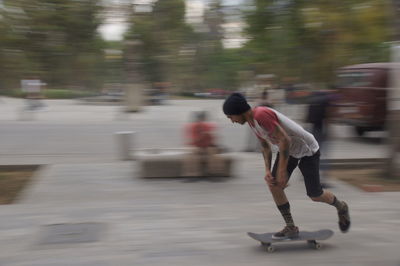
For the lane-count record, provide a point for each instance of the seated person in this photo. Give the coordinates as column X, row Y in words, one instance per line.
column 200, row 135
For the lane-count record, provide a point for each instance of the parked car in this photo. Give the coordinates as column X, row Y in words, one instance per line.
column 362, row 96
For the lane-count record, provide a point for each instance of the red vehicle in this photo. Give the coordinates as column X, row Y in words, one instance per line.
column 218, row 93
column 362, row 96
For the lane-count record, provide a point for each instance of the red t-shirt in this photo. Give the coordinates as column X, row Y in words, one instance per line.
column 200, row 134
column 266, row 122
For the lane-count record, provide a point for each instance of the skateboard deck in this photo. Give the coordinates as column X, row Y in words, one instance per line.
column 310, row 236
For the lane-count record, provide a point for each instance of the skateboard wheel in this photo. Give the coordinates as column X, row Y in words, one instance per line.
column 270, row 249
column 314, row 244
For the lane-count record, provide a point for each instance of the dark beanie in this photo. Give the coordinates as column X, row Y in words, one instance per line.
column 235, row 104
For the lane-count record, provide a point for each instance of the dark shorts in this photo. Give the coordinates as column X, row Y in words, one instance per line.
column 309, row 167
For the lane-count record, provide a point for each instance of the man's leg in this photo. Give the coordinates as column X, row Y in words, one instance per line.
column 282, row 202
column 309, row 167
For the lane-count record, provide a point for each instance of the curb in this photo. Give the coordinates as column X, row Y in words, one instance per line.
column 354, row 163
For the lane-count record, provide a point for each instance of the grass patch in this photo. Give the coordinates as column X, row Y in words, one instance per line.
column 371, row 180
column 66, row 94
column 12, row 93
column 183, row 97
column 13, row 179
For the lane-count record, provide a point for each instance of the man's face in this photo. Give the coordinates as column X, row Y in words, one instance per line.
column 240, row 119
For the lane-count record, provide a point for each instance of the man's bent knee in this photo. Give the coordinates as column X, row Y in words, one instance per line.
column 275, row 189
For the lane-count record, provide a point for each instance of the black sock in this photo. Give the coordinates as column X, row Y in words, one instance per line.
column 287, row 216
column 337, row 203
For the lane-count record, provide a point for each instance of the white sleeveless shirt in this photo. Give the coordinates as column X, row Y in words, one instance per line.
column 302, row 143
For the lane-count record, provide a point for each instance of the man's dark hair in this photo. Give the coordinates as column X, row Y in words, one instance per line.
column 235, row 104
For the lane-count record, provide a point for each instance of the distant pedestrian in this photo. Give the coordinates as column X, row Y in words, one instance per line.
column 33, row 91
column 264, row 99
column 317, row 116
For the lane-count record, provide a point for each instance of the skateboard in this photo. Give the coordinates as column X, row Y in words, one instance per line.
column 266, row 239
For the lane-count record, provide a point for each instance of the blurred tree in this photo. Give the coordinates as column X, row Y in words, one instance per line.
column 310, row 39
column 170, row 50
column 353, row 32
column 208, row 64
column 56, row 41
column 114, row 65
column 159, row 35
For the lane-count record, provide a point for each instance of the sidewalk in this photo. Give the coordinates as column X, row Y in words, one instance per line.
column 170, row 222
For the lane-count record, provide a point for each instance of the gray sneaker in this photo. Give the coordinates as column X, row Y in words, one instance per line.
column 287, row 233
column 344, row 218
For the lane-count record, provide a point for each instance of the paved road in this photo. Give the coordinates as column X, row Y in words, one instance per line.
column 69, row 131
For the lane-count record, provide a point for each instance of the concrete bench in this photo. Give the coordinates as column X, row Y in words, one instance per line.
column 158, row 163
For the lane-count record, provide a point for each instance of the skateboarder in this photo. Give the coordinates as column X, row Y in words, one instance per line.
column 297, row 147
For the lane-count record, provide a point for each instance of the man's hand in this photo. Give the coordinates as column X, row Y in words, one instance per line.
column 271, row 180
column 282, row 180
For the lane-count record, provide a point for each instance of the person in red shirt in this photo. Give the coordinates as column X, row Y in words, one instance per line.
column 201, row 136
column 297, row 148
column 201, row 133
